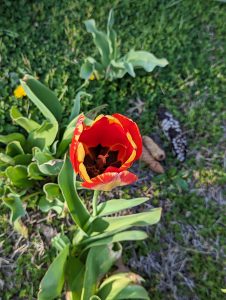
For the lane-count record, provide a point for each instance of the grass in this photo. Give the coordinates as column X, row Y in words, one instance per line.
column 183, row 258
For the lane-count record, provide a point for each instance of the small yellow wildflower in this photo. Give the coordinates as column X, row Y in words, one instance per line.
column 92, row 77
column 19, row 92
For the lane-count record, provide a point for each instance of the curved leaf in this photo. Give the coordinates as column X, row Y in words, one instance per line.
column 145, row 60
column 67, row 183
column 117, row 224
column 28, row 124
column 53, row 281
column 115, row 205
column 42, row 97
column 101, row 40
column 18, row 176
column 12, row 137
column 133, row 291
column 99, row 261
column 131, row 235
column 16, row 207
column 14, row 148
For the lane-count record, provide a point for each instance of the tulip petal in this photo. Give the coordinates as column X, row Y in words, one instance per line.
column 108, row 181
column 134, row 131
column 74, row 143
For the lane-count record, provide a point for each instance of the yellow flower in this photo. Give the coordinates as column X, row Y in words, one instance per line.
column 92, row 77
column 19, row 92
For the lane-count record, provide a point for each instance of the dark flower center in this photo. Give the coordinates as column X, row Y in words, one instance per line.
column 99, row 158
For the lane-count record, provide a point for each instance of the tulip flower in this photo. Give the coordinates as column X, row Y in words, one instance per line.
column 102, row 152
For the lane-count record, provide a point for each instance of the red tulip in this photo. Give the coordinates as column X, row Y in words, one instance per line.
column 102, row 152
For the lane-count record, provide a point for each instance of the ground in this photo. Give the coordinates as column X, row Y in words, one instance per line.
column 184, row 255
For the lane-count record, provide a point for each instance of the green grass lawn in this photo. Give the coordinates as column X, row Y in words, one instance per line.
column 184, row 256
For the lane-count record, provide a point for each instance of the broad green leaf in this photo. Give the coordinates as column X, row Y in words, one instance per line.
column 56, row 205
column 51, row 167
column 87, row 68
column 131, row 235
column 112, row 289
column 6, row 159
column 52, row 192
column 117, row 224
column 101, row 41
column 34, row 172
column 115, row 205
column 41, row 157
column 47, row 103
column 14, row 148
column 12, row 137
column 28, row 124
column 75, row 271
column 76, row 106
column 133, row 291
column 42, row 97
column 53, row 281
column 16, row 207
column 66, row 180
column 23, row 159
column 145, row 60
column 18, row 176
column 43, row 136
column 99, row 261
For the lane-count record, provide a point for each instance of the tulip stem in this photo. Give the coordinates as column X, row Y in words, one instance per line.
column 95, row 201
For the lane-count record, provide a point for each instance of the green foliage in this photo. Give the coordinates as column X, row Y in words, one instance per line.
column 112, row 65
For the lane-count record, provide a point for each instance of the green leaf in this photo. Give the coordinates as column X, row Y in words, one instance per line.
column 145, row 60
column 75, row 271
column 131, row 235
column 117, row 224
column 43, row 98
column 47, row 103
column 18, row 176
column 14, row 148
column 99, row 261
column 52, row 191
column 12, row 137
column 112, row 34
column 34, row 172
column 16, row 207
column 51, row 167
column 23, row 159
column 66, row 180
column 87, row 68
column 133, row 292
column 56, row 205
column 76, row 106
column 28, row 124
column 6, row 159
column 112, row 289
column 101, row 41
column 115, row 205
column 53, row 281
column 43, row 136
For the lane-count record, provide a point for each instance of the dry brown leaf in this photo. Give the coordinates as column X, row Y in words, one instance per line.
column 153, row 148
column 153, row 164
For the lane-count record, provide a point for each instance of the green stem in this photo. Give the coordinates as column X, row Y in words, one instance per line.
column 95, row 200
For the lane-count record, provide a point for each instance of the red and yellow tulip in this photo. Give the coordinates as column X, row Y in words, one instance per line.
column 102, row 152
